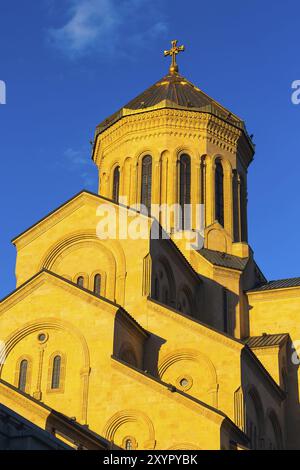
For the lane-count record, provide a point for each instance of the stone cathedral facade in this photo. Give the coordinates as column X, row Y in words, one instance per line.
column 155, row 342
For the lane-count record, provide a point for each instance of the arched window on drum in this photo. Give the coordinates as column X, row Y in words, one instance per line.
column 185, row 191
column 146, row 188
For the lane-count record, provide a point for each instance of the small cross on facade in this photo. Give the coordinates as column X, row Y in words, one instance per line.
column 173, row 53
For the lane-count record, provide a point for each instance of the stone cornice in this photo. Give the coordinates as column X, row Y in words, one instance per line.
column 161, row 387
column 63, row 211
column 274, row 294
column 229, row 273
column 46, row 276
column 52, row 218
column 8, row 391
column 167, row 122
column 194, row 324
column 43, row 277
column 131, row 326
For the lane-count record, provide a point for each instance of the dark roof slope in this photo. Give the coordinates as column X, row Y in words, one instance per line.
column 223, row 259
column 266, row 340
column 279, row 284
column 180, row 93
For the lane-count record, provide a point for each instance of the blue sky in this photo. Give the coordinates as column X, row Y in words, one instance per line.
column 68, row 64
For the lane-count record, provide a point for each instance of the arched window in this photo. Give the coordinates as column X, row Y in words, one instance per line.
column 116, row 184
column 185, row 191
column 219, row 193
column 202, row 180
column 97, row 284
column 55, row 381
column 23, row 375
column 146, row 183
column 128, row 444
column 80, row 281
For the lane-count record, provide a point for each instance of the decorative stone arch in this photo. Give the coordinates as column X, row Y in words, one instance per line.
column 185, row 150
column 169, row 275
column 185, row 289
column 54, row 324
column 272, row 416
column 224, row 161
column 129, row 416
column 164, row 154
column 111, row 248
column 195, row 356
column 143, row 152
column 85, row 276
column 216, row 238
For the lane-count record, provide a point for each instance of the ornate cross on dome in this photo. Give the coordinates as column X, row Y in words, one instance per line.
column 173, row 53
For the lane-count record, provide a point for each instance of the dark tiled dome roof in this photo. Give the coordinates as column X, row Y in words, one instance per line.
column 173, row 88
column 173, row 91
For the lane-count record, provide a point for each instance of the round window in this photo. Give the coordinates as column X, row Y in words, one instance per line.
column 184, row 382
column 42, row 337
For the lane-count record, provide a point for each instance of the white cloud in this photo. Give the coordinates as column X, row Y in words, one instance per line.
column 79, row 162
column 106, row 25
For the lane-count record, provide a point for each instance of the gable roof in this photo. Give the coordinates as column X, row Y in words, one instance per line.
column 278, row 284
column 224, row 260
column 181, row 396
column 81, row 195
column 266, row 340
column 45, row 273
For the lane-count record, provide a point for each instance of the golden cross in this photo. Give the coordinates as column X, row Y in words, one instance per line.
column 173, row 53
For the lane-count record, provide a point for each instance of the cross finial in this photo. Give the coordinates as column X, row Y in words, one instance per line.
column 173, row 53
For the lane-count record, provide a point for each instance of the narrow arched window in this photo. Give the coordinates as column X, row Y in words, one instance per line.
column 80, row 281
column 185, row 191
column 116, row 184
column 128, row 444
column 146, row 183
column 219, row 193
column 23, row 375
column 97, row 284
column 202, row 180
column 56, row 367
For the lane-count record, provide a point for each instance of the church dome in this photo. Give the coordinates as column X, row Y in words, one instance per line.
column 172, row 91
